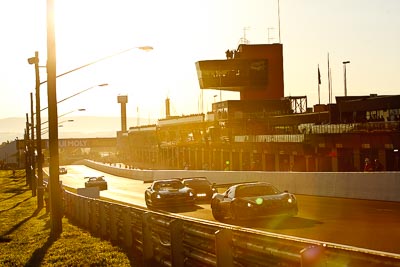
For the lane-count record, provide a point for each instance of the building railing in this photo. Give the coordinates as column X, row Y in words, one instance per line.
column 305, row 129
column 159, row 239
column 278, row 138
column 389, row 126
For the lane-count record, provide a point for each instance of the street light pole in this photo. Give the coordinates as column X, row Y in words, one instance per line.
column 54, row 180
column 345, row 78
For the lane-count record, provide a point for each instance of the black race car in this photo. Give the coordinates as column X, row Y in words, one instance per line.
column 253, row 200
column 96, row 181
column 202, row 188
column 168, row 193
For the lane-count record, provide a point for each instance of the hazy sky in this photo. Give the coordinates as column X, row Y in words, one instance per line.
column 366, row 33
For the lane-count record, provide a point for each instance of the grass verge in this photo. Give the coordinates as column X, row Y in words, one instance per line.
column 25, row 233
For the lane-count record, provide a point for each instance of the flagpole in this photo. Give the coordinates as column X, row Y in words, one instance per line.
column 319, row 97
column 319, row 87
column 329, row 81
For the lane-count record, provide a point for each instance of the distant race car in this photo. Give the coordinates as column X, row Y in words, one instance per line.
column 202, row 188
column 62, row 170
column 96, row 181
column 253, row 200
column 168, row 193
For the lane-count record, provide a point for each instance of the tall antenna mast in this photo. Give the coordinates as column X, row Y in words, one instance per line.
column 269, row 38
column 244, row 40
column 279, row 22
column 137, row 116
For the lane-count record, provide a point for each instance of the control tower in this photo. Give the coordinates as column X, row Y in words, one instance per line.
column 254, row 70
column 123, row 99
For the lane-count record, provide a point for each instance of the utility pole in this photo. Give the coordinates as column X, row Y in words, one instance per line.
column 35, row 60
column 28, row 172
column 54, row 181
column 32, row 143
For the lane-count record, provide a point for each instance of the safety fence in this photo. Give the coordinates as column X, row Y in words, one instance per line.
column 160, row 239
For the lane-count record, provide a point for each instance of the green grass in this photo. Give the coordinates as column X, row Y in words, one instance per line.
column 25, row 233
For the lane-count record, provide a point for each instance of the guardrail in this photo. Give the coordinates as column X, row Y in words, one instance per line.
column 160, row 239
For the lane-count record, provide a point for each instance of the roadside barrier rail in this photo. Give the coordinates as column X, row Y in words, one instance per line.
column 163, row 239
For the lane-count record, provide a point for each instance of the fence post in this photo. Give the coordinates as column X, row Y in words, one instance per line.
column 103, row 220
column 147, row 240
column 177, row 252
column 86, row 211
column 113, row 223
column 81, row 212
column 223, row 248
column 93, row 217
column 127, row 227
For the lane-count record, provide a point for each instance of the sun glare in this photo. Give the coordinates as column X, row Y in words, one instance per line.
column 89, row 30
column 95, row 30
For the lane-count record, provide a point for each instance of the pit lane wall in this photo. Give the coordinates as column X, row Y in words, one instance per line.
column 357, row 185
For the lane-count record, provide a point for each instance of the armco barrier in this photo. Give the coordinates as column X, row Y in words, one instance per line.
column 160, row 239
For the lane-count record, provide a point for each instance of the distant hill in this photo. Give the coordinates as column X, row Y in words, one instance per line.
column 12, row 128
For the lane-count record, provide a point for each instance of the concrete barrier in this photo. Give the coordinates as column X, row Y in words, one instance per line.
column 92, row 192
column 358, row 185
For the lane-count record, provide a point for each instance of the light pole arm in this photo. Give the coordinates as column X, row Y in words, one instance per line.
column 62, row 100
column 65, row 114
column 87, row 89
column 144, row 48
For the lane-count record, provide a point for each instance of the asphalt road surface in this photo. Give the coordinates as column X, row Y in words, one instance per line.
column 365, row 224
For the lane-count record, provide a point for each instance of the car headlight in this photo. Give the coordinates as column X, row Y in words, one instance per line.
column 259, row 201
column 291, row 199
column 244, row 204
